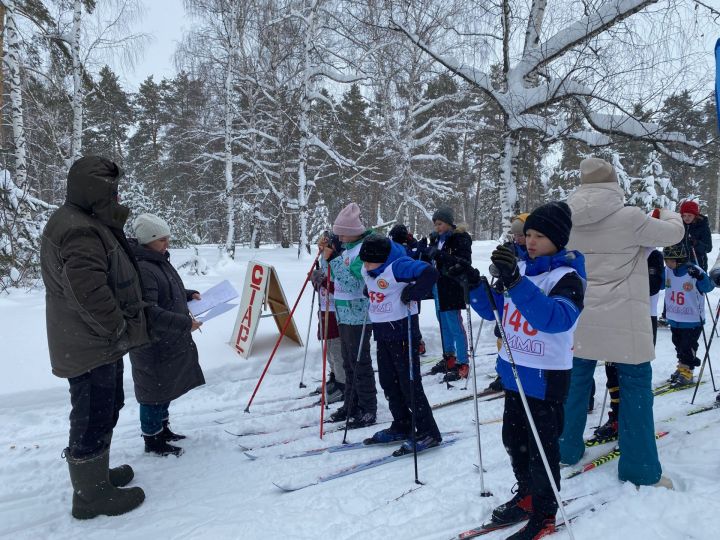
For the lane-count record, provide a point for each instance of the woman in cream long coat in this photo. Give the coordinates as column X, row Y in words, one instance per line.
column 615, row 324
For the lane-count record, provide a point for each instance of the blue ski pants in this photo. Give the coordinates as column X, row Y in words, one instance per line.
column 452, row 328
column 639, row 461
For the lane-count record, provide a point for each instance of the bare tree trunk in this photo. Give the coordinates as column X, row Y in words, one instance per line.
column 78, row 95
column 508, row 175
column 228, row 150
column 2, row 72
column 12, row 61
column 304, row 126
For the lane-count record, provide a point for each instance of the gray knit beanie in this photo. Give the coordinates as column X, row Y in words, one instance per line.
column 149, row 227
column 444, row 214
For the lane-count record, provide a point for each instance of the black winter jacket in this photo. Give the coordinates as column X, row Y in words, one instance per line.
column 93, row 298
column 452, row 262
column 698, row 239
column 168, row 367
column 656, row 271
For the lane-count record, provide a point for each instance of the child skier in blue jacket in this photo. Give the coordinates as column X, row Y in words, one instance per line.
column 540, row 301
column 685, row 286
column 395, row 284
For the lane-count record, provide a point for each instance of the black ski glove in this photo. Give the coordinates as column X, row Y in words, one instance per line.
column 473, row 275
column 422, row 245
column 432, row 253
column 694, row 272
column 406, row 295
column 506, row 263
column 366, row 293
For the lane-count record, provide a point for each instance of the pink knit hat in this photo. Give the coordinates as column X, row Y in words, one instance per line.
column 348, row 223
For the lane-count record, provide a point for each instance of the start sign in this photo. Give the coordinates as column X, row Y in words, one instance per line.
column 261, row 289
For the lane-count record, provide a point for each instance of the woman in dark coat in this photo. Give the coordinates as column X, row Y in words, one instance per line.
column 168, row 367
column 697, row 240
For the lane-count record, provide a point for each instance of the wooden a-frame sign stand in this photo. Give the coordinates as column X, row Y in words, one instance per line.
column 261, row 289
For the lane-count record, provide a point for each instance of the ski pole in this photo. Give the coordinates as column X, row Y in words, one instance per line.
column 483, row 493
column 526, row 406
column 353, row 389
column 705, row 342
column 474, row 347
column 325, row 349
column 602, row 410
column 442, row 337
column 707, row 301
column 307, row 340
column 706, row 358
column 413, row 438
column 282, row 334
column 697, row 262
column 701, row 310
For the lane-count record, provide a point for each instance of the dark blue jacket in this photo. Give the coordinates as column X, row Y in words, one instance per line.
column 421, row 277
column 553, row 313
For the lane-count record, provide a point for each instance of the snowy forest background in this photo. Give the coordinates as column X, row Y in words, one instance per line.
column 283, row 111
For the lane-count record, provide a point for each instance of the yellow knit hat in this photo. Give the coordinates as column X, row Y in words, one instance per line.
column 518, row 222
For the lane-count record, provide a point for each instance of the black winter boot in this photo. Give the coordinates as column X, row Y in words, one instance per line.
column 93, row 494
column 156, row 444
column 169, row 435
column 121, row 476
column 338, row 416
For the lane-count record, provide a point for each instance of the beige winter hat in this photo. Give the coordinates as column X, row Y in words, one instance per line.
column 149, row 227
column 596, row 171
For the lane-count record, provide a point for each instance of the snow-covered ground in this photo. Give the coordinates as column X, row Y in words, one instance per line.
column 215, row 491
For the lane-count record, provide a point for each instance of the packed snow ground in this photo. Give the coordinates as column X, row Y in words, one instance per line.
column 215, row 491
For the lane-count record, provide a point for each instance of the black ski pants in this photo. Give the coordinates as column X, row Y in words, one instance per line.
column 686, row 345
column 360, row 392
column 96, row 398
column 394, row 374
column 524, row 456
column 613, row 387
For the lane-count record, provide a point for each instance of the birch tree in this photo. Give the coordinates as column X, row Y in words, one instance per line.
column 12, row 62
column 580, row 54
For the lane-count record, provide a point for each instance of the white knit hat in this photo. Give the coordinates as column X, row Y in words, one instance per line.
column 149, row 227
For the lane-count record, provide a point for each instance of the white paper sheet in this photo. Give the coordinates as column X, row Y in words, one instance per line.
column 221, row 293
column 214, row 312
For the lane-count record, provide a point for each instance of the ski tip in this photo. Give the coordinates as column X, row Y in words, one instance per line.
column 287, row 488
column 251, row 457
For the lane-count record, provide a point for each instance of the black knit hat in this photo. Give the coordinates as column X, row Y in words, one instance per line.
column 375, row 249
column 445, row 215
column 554, row 220
column 398, row 233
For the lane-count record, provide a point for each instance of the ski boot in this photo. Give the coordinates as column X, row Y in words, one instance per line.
column 457, row 372
column 447, row 363
column 515, row 510
column 421, row 443
column 537, row 527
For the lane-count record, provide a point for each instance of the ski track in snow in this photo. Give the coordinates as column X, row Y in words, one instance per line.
column 214, row 491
